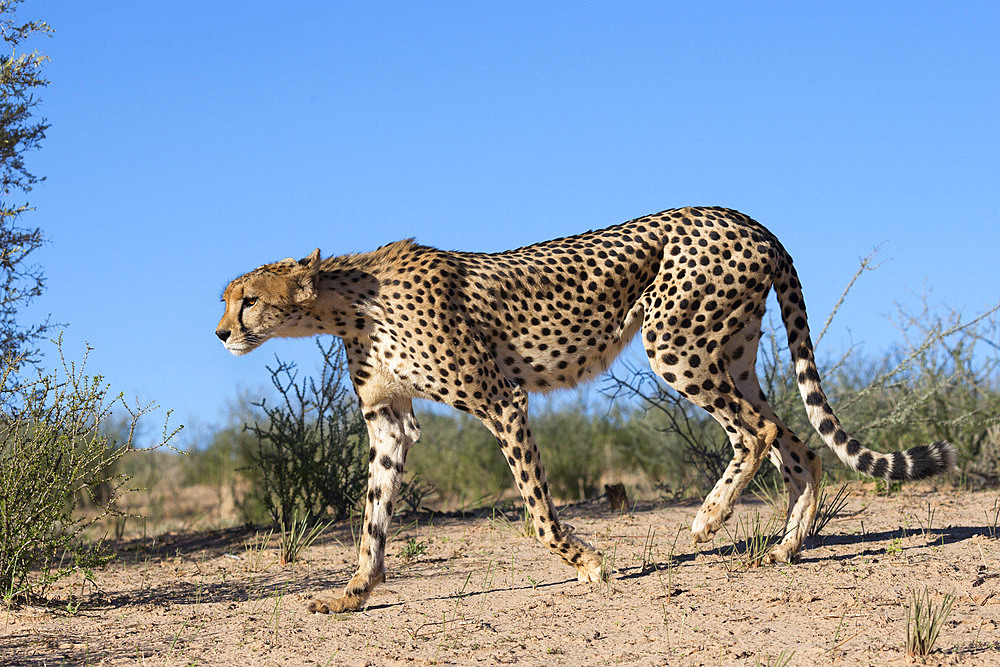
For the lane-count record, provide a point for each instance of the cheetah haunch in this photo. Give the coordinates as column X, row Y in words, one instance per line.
column 479, row 331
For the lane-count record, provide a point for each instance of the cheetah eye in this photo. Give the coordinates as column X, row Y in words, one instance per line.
column 249, row 301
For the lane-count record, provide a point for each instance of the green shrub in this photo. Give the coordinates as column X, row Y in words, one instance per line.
column 579, row 443
column 460, row 458
column 221, row 459
column 940, row 382
column 54, row 449
column 582, row 442
column 312, row 443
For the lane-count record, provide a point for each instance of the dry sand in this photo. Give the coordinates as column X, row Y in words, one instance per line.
column 482, row 593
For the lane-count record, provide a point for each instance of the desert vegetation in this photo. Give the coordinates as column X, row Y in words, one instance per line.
column 301, row 449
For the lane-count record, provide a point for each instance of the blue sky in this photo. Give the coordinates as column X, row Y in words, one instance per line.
column 191, row 142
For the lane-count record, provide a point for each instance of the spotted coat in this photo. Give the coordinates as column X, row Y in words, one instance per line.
column 480, row 331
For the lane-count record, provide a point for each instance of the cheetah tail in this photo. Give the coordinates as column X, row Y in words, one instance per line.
column 915, row 463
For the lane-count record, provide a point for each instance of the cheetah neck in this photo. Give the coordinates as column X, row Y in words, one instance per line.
column 345, row 303
column 349, row 287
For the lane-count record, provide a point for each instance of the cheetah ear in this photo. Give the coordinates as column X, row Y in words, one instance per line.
column 306, row 275
column 312, row 261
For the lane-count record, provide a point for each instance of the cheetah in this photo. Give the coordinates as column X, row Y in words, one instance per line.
column 479, row 332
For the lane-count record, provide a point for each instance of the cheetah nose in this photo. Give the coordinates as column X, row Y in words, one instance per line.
column 223, row 334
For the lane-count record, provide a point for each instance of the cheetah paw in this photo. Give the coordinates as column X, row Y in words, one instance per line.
column 337, row 605
column 703, row 528
column 591, row 573
column 783, row 553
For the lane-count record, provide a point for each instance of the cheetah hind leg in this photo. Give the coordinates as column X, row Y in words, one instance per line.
column 699, row 373
column 749, row 432
column 718, row 505
column 798, row 467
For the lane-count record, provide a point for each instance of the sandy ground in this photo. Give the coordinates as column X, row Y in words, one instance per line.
column 480, row 592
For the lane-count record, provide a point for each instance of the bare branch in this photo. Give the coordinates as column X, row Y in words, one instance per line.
column 865, row 265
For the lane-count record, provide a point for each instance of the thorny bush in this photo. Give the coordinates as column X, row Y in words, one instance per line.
column 54, row 453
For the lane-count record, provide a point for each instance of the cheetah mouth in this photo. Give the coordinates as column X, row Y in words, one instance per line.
column 245, row 346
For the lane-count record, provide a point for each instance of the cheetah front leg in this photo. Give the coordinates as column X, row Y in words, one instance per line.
column 392, row 429
column 514, row 435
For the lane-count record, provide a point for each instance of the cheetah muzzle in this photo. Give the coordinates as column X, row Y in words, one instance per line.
column 480, row 331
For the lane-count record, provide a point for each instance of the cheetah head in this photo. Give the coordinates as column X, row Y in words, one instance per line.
column 268, row 302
